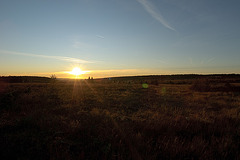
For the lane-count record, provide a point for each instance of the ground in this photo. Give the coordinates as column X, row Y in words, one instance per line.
column 185, row 117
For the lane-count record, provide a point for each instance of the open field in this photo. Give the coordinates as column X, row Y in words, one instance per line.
column 153, row 117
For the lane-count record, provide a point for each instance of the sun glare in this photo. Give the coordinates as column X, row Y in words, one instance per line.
column 76, row 71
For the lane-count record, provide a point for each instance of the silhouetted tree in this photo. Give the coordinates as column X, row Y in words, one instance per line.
column 53, row 78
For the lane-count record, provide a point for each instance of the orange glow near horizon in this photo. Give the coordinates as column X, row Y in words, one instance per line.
column 76, row 71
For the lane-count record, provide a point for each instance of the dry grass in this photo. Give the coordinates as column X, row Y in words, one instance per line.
column 119, row 120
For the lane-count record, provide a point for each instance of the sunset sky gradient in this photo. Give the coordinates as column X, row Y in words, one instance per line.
column 119, row 37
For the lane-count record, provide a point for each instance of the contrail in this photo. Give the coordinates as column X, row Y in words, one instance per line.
column 67, row 59
column 153, row 12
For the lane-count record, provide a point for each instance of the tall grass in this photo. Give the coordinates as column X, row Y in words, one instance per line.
column 119, row 120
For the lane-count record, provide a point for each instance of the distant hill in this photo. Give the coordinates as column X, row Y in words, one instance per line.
column 231, row 78
column 177, row 77
column 24, row 79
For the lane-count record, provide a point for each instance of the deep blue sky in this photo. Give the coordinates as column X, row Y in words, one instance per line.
column 119, row 37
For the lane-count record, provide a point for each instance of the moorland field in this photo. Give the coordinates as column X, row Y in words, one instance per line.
column 145, row 117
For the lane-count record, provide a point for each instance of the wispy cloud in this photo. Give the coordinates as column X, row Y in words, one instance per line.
column 208, row 61
column 154, row 13
column 82, row 45
column 99, row 36
column 211, row 60
column 125, row 72
column 62, row 58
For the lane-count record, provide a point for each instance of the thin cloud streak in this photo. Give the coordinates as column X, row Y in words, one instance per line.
column 153, row 12
column 78, row 44
column 100, row 36
column 124, row 72
column 67, row 59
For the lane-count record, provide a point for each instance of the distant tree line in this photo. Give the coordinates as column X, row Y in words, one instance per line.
column 25, row 79
column 174, row 79
column 178, row 77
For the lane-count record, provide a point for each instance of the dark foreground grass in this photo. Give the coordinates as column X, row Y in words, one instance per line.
column 119, row 120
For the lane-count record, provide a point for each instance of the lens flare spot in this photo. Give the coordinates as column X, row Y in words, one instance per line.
column 163, row 90
column 145, row 85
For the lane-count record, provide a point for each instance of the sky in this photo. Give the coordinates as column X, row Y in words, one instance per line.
column 111, row 38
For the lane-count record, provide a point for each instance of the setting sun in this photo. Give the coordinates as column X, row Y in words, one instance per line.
column 76, row 71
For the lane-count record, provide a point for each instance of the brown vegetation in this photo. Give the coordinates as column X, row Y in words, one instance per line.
column 173, row 118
